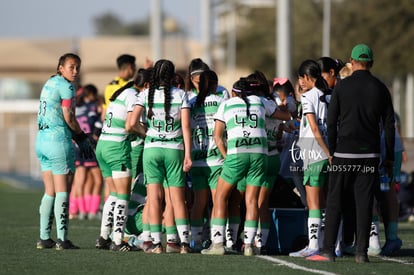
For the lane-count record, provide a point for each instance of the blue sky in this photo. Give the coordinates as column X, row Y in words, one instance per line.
column 74, row 18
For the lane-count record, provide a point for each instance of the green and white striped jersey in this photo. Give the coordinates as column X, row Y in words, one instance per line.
column 115, row 118
column 204, row 151
column 245, row 134
column 164, row 133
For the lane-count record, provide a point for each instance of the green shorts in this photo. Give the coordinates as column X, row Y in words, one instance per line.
column 162, row 165
column 244, row 165
column 113, row 156
column 316, row 174
column 203, row 178
column 273, row 167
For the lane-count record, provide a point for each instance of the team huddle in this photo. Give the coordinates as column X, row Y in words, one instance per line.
column 180, row 155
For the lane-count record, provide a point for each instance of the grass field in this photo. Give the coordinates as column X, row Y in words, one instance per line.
column 19, row 221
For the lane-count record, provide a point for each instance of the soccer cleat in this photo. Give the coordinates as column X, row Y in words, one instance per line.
column 306, row 252
column 248, row 250
column 214, row 249
column 123, row 247
column 338, row 252
column 101, row 243
column 361, row 259
column 321, row 258
column 155, row 249
column 185, row 248
column 372, row 251
column 146, row 245
column 391, row 247
column 63, row 245
column 43, row 244
column 172, row 248
column 206, row 244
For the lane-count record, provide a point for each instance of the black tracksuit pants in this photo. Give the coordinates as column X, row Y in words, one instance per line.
column 352, row 184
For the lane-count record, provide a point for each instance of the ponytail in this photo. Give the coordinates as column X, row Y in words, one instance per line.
column 120, row 90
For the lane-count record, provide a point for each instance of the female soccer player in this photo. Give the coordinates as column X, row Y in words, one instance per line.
column 57, row 126
column 167, row 150
column 314, row 151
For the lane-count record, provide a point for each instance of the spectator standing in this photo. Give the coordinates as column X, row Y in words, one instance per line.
column 355, row 142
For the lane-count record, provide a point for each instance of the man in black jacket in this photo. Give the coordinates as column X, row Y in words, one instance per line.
column 360, row 105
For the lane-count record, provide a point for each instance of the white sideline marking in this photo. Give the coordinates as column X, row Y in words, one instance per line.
column 396, row 260
column 295, row 266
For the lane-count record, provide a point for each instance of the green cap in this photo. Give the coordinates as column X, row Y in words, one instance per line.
column 362, row 52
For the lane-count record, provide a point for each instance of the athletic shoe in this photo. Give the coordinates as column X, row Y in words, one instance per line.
column 43, row 244
column 101, row 243
column 172, row 248
column 155, row 249
column 146, row 245
column 338, row 252
column 62, row 245
column 372, row 251
column 323, row 257
column 391, row 247
column 248, row 250
column 214, row 249
column 185, row 248
column 361, row 259
column 306, row 252
column 123, row 247
column 206, row 244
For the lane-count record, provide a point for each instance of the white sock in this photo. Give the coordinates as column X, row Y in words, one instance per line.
column 231, row 233
column 374, row 241
column 107, row 216
column 156, row 237
column 120, row 218
column 146, row 236
column 338, row 237
column 264, row 235
column 217, row 233
column 249, row 234
column 184, row 233
column 313, row 232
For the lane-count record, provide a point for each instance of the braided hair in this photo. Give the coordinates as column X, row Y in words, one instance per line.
column 208, row 85
column 161, row 76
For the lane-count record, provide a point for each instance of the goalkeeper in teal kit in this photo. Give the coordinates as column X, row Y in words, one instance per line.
column 57, row 127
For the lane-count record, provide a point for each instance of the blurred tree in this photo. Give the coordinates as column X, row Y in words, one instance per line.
column 387, row 26
column 110, row 24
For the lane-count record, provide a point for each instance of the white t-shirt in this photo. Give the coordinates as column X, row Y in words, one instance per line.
column 311, row 152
